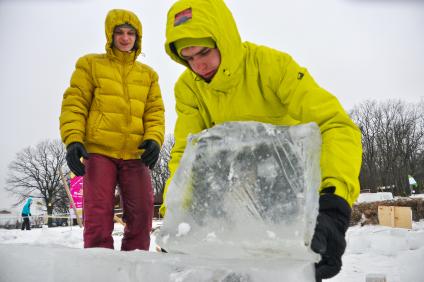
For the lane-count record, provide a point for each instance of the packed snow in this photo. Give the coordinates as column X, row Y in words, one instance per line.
column 57, row 254
column 374, row 197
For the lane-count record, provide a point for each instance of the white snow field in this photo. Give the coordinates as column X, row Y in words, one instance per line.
column 240, row 209
column 56, row 254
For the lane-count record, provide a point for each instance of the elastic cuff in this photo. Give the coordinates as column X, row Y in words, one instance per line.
column 153, row 138
column 72, row 139
column 328, row 202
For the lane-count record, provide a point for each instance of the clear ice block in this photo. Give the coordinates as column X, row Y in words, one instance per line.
column 245, row 190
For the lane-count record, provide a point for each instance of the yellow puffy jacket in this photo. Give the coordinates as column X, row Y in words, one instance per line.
column 257, row 83
column 113, row 102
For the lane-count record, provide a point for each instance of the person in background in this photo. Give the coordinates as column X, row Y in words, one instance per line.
column 112, row 116
column 230, row 80
column 26, row 213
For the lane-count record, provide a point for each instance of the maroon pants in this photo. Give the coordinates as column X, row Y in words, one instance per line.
column 101, row 177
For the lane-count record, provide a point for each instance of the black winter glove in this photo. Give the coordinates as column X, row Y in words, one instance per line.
column 329, row 237
column 151, row 153
column 74, row 152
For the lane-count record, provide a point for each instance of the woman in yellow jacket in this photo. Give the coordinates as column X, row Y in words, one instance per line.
column 113, row 115
column 230, row 80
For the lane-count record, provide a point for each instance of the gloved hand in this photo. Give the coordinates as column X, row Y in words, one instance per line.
column 74, row 152
column 329, row 237
column 151, row 153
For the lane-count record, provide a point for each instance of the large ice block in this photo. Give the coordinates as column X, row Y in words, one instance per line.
column 245, row 190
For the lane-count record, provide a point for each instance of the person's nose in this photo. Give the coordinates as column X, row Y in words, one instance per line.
column 125, row 37
column 200, row 64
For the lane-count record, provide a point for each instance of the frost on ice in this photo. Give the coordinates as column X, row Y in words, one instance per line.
column 245, row 190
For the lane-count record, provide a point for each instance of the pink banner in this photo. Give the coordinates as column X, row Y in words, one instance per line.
column 76, row 191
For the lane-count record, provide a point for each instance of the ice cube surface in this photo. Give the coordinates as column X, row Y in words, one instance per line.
column 245, row 190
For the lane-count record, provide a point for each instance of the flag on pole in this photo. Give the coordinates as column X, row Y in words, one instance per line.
column 77, row 190
column 412, row 181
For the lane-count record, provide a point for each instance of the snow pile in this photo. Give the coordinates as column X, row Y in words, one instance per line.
column 52, row 263
column 374, row 197
column 396, row 252
column 56, row 255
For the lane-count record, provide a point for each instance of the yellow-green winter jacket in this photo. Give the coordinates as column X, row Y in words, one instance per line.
column 113, row 102
column 257, row 83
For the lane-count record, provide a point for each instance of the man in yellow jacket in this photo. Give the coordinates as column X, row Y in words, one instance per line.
column 113, row 115
column 230, row 80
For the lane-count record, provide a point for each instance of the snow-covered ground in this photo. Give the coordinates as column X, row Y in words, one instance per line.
column 56, row 254
column 374, row 197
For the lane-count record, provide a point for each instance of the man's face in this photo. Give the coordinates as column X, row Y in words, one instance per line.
column 124, row 38
column 203, row 61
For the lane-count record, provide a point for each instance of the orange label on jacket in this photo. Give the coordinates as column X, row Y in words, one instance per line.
column 182, row 17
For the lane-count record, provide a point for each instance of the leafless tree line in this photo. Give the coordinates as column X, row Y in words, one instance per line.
column 393, row 145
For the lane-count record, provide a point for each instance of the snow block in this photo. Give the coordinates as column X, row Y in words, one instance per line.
column 34, row 263
column 245, row 190
column 375, row 277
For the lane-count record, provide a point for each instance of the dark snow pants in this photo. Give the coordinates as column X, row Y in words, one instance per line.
column 101, row 177
column 25, row 223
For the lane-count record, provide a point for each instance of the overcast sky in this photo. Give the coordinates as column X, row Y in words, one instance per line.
column 356, row 49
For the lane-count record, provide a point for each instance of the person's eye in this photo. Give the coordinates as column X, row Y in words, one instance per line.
column 131, row 33
column 205, row 52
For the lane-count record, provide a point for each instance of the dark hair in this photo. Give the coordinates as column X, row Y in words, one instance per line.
column 135, row 47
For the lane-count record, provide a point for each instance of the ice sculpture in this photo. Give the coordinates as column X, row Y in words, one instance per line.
column 245, row 190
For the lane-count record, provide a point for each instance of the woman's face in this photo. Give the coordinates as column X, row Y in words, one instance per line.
column 203, row 61
column 124, row 38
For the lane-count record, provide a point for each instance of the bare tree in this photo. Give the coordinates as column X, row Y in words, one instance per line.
column 160, row 172
column 35, row 172
column 366, row 117
column 392, row 139
column 419, row 174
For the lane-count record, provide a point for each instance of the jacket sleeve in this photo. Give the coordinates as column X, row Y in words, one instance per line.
column 189, row 121
column 76, row 103
column 153, row 117
column 341, row 153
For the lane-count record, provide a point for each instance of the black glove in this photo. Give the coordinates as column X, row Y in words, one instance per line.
column 74, row 152
column 329, row 237
column 151, row 153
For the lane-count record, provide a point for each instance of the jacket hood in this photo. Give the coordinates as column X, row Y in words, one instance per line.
column 202, row 18
column 118, row 17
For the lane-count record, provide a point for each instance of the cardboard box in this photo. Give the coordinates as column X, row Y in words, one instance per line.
column 395, row 216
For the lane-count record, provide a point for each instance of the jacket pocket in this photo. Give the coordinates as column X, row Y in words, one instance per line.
column 93, row 124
